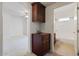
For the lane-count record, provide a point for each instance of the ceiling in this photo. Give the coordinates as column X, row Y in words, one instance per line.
column 48, row 3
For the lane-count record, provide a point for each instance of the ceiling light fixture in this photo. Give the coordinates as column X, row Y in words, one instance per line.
column 64, row 19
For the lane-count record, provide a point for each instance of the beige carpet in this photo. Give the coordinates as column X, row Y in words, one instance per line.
column 64, row 49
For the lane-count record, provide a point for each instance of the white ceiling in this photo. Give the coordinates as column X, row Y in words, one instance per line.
column 48, row 3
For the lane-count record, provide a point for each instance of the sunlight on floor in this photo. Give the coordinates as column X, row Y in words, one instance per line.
column 64, row 49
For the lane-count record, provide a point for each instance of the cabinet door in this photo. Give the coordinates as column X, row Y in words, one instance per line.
column 34, row 12
column 38, row 12
column 46, row 43
column 41, row 12
column 36, row 44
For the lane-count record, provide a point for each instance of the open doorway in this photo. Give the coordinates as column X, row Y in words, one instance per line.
column 65, row 30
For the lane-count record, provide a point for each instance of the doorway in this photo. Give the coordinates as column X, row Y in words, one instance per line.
column 65, row 30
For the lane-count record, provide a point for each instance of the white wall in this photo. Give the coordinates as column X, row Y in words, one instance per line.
column 65, row 11
column 14, row 22
column 78, row 29
column 1, row 29
column 66, row 29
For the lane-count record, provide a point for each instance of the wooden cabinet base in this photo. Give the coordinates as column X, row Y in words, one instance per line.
column 40, row 43
column 40, row 53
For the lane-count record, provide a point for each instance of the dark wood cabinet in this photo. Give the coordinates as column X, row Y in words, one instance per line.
column 40, row 43
column 38, row 12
